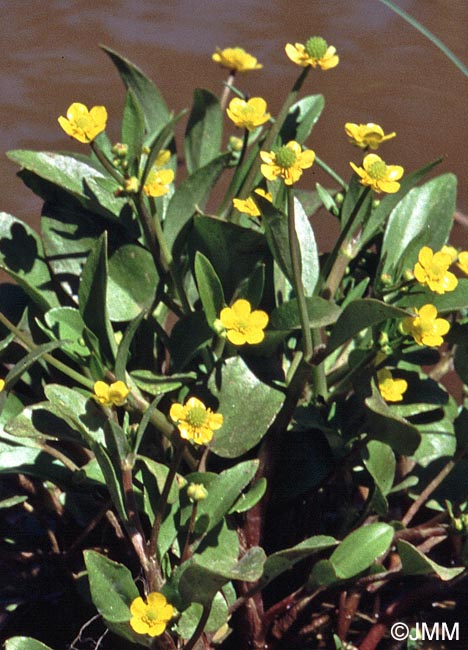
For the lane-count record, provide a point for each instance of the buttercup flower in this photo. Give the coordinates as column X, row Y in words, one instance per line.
column 378, row 175
column 236, row 59
column 391, row 389
column 425, row 327
column 248, row 115
column 450, row 250
column 463, row 261
column 158, row 180
column 195, row 421
column 248, row 206
column 243, row 325
column 2, row 384
column 151, row 617
column 366, row 135
column 84, row 125
column 287, row 162
column 431, row 270
column 315, row 52
column 115, row 394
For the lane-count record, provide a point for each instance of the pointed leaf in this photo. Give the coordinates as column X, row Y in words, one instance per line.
column 209, row 288
column 204, row 130
column 416, row 563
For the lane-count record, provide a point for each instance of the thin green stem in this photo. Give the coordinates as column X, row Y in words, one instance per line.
column 162, row 503
column 191, row 526
column 295, row 253
column 66, row 370
column 429, row 35
column 106, row 163
column 227, row 201
column 227, row 89
column 331, row 172
column 273, row 132
column 335, row 266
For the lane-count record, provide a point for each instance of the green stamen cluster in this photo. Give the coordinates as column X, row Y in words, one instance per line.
column 196, row 416
column 316, row 47
column 377, row 170
column 285, row 157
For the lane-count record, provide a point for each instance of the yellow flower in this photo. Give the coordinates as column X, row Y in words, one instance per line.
column 107, row 395
column 84, row 125
column 366, row 135
column 425, row 327
column 248, row 206
column 158, row 180
column 463, row 261
column 450, row 250
column 315, row 52
column 236, row 59
column 391, row 389
column 376, row 174
column 431, row 270
column 287, row 162
column 2, row 384
column 243, row 325
column 151, row 617
column 195, row 421
column 248, row 115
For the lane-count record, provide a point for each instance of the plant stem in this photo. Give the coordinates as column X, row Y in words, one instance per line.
column 162, row 503
column 273, row 132
column 199, row 629
column 343, row 252
column 295, row 253
column 331, row 172
column 186, row 551
column 106, row 163
column 227, row 89
column 66, row 370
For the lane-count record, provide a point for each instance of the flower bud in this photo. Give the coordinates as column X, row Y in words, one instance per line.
column 120, row 150
column 132, row 185
column 235, row 143
column 196, row 492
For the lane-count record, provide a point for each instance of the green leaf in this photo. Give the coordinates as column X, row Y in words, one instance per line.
column 92, row 296
column 309, row 254
column 390, row 201
column 359, row 550
column 200, row 581
column 251, row 498
column 284, row 560
column 132, row 282
column 22, row 257
column 40, row 421
column 160, row 384
column 124, row 347
column 24, row 643
column 155, row 111
column 240, row 432
column 133, row 131
column 359, row 315
column 224, row 491
column 26, row 362
column 233, row 251
column 66, row 324
column 422, row 218
column 160, row 472
column 188, row 336
column 379, row 460
column 301, row 118
column 190, row 196
column 78, row 410
column 416, row 563
column 112, row 587
column 386, row 426
column 452, row 301
column 321, row 313
column 204, row 130
column 219, row 614
column 209, row 288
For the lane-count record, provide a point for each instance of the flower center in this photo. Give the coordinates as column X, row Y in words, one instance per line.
column 285, row 157
column 196, row 416
column 377, row 170
column 316, row 47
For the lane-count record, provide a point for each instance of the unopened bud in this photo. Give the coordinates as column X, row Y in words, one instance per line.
column 132, row 185
column 235, row 143
column 120, row 150
column 196, row 492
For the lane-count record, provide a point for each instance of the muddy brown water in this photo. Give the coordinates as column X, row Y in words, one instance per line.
column 388, row 73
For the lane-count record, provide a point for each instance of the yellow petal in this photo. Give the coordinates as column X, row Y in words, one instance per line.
column 271, row 172
column 177, row 412
column 427, row 312
column 235, row 337
column 139, row 626
column 259, row 319
column 156, row 629
column 138, row 607
column 254, row 336
column 241, row 308
column 228, row 318
column 216, row 421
